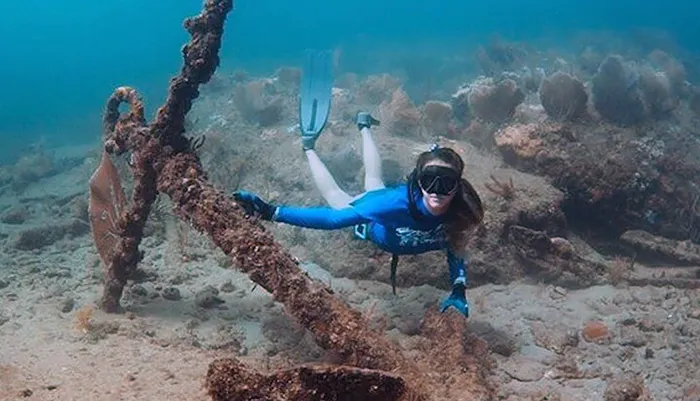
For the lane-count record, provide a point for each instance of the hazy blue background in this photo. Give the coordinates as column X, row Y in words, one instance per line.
column 61, row 59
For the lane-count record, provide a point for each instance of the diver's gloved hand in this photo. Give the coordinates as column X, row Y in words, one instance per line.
column 254, row 205
column 365, row 120
column 457, row 299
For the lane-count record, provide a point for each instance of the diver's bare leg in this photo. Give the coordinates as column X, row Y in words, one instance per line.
column 331, row 192
column 370, row 154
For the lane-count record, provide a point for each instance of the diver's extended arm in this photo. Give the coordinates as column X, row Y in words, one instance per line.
column 322, row 218
column 458, row 277
column 458, row 268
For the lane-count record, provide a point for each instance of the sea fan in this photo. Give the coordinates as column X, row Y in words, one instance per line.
column 107, row 201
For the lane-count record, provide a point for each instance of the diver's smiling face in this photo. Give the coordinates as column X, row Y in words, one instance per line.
column 438, row 202
column 438, row 183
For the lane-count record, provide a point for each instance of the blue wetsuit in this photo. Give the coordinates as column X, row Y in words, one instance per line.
column 390, row 224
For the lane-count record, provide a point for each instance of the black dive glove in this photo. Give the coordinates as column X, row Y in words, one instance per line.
column 254, row 205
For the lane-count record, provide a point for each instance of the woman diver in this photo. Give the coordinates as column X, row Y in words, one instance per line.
column 436, row 209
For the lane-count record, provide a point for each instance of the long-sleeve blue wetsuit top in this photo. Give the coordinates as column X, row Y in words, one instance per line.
column 391, row 226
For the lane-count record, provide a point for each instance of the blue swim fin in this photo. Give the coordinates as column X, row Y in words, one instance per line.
column 315, row 96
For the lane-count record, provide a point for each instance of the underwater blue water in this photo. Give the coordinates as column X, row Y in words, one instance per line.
column 61, row 59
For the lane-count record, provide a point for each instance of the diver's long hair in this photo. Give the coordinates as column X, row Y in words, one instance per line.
column 466, row 211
